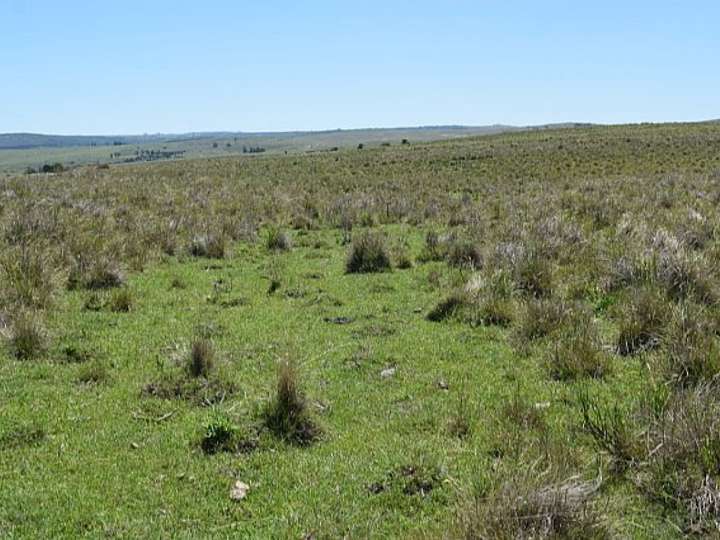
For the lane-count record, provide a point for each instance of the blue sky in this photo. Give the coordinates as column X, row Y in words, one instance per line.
column 159, row 66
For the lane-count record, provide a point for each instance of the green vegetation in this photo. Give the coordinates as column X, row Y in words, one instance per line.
column 507, row 336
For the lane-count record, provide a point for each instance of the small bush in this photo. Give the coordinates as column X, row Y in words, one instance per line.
column 533, row 276
column 465, row 255
column 121, row 301
column 691, row 348
column 21, row 436
column 221, row 434
column 287, row 415
column 201, row 360
column 641, row 320
column 611, row 429
column 449, row 307
column 577, row 353
column 683, row 457
column 368, row 254
column 540, row 318
column 277, row 240
column 28, row 337
column 95, row 274
column 211, row 246
column 460, row 424
column 532, row 504
column 93, row 372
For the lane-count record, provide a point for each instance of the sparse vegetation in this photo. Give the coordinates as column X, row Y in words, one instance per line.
column 552, row 320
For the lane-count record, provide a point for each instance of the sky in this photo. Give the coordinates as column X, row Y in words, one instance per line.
column 130, row 67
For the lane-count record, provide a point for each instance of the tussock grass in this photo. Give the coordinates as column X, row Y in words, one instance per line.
column 287, row 415
column 368, row 254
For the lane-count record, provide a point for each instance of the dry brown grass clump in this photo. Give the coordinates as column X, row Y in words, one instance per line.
column 535, row 504
column 287, row 415
column 368, row 253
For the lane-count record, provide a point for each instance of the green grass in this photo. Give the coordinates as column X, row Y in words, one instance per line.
column 418, row 419
column 113, row 462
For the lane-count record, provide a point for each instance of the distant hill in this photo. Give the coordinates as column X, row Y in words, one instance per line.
column 32, row 151
column 18, row 141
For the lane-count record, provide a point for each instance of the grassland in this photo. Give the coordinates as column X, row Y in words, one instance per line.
column 529, row 350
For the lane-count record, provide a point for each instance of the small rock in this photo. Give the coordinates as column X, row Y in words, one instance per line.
column 239, row 491
column 388, row 372
column 542, row 405
column 443, row 385
column 134, row 445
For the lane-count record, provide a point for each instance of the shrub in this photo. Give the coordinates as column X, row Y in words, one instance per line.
column 287, row 415
column 221, row 434
column 93, row 372
column 577, row 352
column 641, row 320
column 540, row 318
column 28, row 338
column 201, row 360
column 683, row 457
column 460, row 424
column 448, row 307
column 277, row 240
column 121, row 301
column 95, row 273
column 691, row 349
column 610, row 428
column 465, row 254
column 435, row 247
column 211, row 246
column 368, row 254
column 27, row 276
column 534, row 504
column 533, row 276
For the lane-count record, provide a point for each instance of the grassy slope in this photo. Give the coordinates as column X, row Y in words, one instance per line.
column 88, row 477
column 105, row 469
column 14, row 159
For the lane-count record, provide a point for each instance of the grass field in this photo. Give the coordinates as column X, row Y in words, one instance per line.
column 508, row 336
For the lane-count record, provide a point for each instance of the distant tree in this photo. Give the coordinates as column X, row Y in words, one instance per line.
column 215, row 145
column 405, row 141
column 30, row 170
column 361, row 146
column 54, row 168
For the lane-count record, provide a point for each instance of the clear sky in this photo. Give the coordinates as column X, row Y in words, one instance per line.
column 72, row 67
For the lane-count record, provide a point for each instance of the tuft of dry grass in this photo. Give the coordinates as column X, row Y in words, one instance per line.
column 368, row 253
column 287, row 415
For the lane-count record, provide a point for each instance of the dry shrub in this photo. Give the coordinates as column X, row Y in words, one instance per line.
column 28, row 277
column 287, row 415
column 211, row 246
column 683, row 458
column 28, row 338
column 692, row 352
column 641, row 319
column 277, row 240
column 534, row 504
column 368, row 253
column 577, row 352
